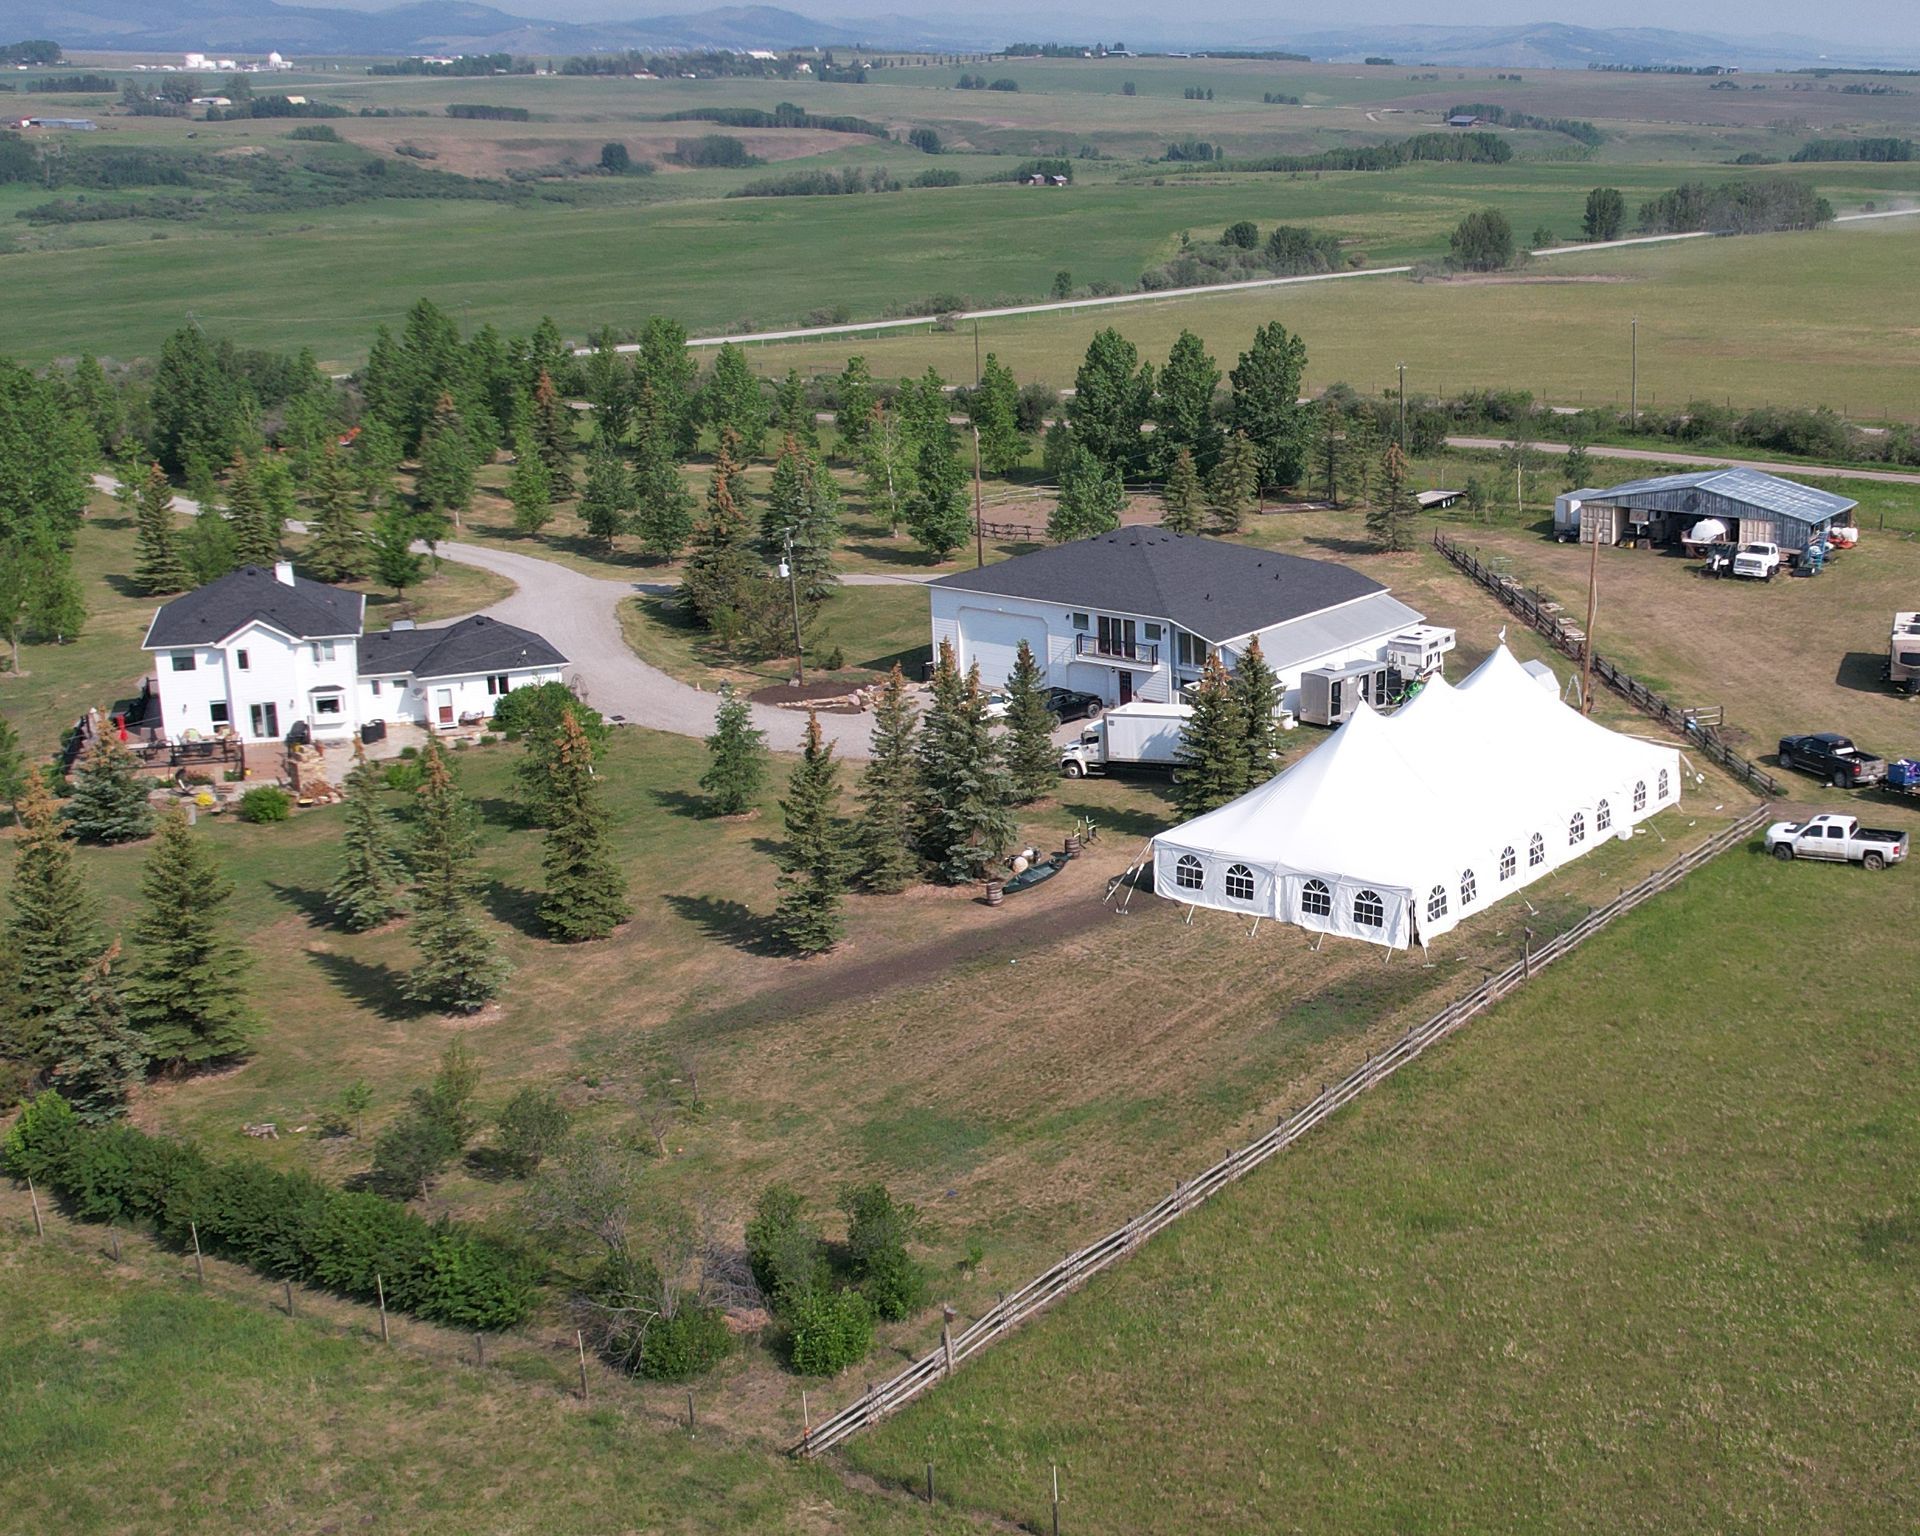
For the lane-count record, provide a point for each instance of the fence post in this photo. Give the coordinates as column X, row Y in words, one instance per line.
column 946, row 1344
column 199, row 1264
column 289, row 1286
column 580, row 1343
column 1054, row 1469
column 39, row 1230
column 380, row 1290
column 806, row 1419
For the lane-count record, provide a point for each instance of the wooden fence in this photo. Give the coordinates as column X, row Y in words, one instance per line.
column 1077, row 1268
column 1705, row 728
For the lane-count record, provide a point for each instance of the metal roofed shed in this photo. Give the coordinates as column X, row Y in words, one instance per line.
column 1754, row 507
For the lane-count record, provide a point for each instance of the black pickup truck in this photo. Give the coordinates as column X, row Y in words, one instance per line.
column 1833, row 758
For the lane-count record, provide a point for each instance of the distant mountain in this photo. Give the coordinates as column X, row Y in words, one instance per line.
column 1556, row 45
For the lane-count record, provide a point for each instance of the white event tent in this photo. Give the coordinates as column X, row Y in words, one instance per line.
column 1399, row 826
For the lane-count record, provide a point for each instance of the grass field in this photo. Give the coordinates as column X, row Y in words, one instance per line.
column 1639, row 1251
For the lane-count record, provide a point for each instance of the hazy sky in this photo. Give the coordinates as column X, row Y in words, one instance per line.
column 1894, row 22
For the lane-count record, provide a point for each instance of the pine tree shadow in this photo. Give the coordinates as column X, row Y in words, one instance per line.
column 683, row 803
column 892, row 554
column 1111, row 821
column 728, row 921
column 375, row 988
column 500, row 811
column 1338, row 546
column 515, row 906
column 912, row 662
column 124, row 586
column 309, row 902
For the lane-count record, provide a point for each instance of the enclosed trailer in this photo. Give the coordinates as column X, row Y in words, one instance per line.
column 1329, row 695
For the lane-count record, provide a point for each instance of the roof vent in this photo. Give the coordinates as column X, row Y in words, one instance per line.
column 400, row 624
column 283, row 572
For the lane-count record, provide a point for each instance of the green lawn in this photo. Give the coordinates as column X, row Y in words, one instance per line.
column 1638, row 1251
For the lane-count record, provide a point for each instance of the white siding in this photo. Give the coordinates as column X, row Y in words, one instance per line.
column 280, row 671
column 977, row 624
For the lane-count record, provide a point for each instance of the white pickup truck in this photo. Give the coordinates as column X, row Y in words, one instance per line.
column 1838, row 839
column 1757, row 561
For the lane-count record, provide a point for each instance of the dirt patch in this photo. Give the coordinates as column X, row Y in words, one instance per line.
column 835, row 696
column 478, row 148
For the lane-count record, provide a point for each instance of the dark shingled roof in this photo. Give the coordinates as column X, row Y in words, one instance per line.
column 1212, row 588
column 307, row 610
column 472, row 646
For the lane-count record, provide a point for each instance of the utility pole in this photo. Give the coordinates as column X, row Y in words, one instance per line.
column 793, row 593
column 1636, row 373
column 1587, row 525
column 1403, row 407
column 979, row 526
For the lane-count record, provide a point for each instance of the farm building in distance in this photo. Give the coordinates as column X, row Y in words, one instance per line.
column 1754, row 508
column 1134, row 614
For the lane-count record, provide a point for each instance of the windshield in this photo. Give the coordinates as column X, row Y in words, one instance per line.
column 1756, row 549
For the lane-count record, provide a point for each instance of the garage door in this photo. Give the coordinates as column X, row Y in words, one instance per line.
column 993, row 639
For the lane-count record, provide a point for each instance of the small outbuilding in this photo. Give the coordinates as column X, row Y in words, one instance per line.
column 1751, row 505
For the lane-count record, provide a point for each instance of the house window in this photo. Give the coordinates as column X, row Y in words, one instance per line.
column 374, row 688
column 1663, row 783
column 1536, row 851
column 1315, row 899
column 1576, row 830
column 1239, row 883
column 266, row 719
column 1602, row 816
column 1436, row 903
column 1640, row 795
column 1150, row 632
column 217, row 712
column 1469, row 888
column 1507, row 862
column 327, row 704
column 240, row 660
column 1191, row 650
column 1081, row 621
column 183, row 661
column 1369, row 911
column 498, row 683
column 323, row 650
column 1187, row 874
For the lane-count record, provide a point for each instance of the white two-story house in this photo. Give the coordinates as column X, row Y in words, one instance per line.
column 1133, row 614
column 263, row 653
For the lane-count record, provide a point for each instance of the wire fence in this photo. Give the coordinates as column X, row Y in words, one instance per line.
column 1077, row 1268
column 1705, row 728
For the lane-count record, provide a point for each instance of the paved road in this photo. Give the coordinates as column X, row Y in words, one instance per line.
column 1707, row 461
column 861, row 327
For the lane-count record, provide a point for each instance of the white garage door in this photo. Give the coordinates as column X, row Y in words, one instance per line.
column 993, row 639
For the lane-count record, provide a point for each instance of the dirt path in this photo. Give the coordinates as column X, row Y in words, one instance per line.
column 1706, row 461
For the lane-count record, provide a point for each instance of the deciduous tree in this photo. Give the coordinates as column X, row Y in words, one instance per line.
column 1089, row 501
column 1265, row 407
column 1183, row 406
column 857, row 399
column 995, row 409
column 887, row 456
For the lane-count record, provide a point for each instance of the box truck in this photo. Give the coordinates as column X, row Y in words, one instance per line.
column 1134, row 735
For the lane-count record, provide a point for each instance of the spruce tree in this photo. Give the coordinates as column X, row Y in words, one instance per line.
column 995, row 409
column 606, row 502
column 159, row 567
column 1329, row 448
column 527, row 487
column 586, row 891
column 109, row 801
column 186, row 995
column 792, row 411
column 1184, row 500
column 461, row 969
column 207, row 548
column 857, row 400
column 53, row 934
column 803, row 504
column 733, row 401
column 890, row 793
column 338, row 551
column 96, row 1055
column 1090, row 499
column 1032, row 761
column 967, row 821
column 370, row 885
column 256, row 538
column 936, row 505
column 444, row 484
column 1391, row 519
column 1257, row 691
column 738, row 757
column 722, row 561
column 553, row 431
column 1360, row 457
column 814, row 862
column 664, row 506
column 1234, row 484
column 1213, row 748
column 14, row 768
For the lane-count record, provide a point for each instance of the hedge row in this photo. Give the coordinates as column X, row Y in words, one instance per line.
column 288, row 1225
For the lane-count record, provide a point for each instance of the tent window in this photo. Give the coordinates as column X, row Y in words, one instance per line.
column 1508, row 863
column 1469, row 888
column 1640, row 795
column 1576, row 829
column 1316, row 900
column 1369, row 911
column 1602, row 816
column 1239, row 883
column 1536, row 851
column 1663, row 783
column 1436, row 903
column 1187, row 873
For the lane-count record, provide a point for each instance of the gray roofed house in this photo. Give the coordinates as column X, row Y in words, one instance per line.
column 476, row 645
column 303, row 609
column 1133, row 614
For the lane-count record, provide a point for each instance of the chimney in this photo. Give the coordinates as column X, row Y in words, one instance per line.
column 283, row 572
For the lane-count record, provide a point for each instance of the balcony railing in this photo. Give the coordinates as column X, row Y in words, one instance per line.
column 1128, row 653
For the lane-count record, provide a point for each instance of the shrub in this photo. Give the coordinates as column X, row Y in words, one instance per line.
column 410, row 1154
column 784, row 1249
column 266, row 803
column 315, row 133
column 829, row 1331
column 532, row 1125
column 689, row 1343
column 287, row 1224
column 836, row 659
column 405, row 777
column 878, row 1227
column 925, row 140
